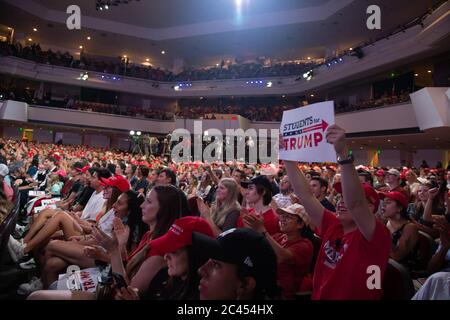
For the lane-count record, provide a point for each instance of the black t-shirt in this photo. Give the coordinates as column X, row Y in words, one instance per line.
column 141, row 184
column 76, row 187
column 328, row 205
column 84, row 196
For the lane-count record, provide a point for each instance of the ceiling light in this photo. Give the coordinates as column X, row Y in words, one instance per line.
column 34, row 29
column 389, row 140
column 147, row 59
column 29, row 39
column 89, row 38
column 163, row 52
column 312, row 95
column 351, row 49
column 429, row 71
column 309, row 58
column 416, row 74
column 217, row 64
column 81, row 47
column 269, row 84
column 283, row 96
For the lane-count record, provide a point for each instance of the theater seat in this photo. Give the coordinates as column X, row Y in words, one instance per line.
column 397, row 283
column 424, row 251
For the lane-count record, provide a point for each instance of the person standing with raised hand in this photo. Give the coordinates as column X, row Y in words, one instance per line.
column 355, row 245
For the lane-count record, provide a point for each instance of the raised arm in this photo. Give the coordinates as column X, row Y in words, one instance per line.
column 301, row 188
column 352, row 191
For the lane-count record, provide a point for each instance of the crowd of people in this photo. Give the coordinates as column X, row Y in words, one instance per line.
column 385, row 100
column 148, row 228
column 121, row 66
column 274, row 112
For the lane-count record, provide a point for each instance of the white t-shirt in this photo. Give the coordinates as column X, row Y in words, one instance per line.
column 94, row 206
column 106, row 222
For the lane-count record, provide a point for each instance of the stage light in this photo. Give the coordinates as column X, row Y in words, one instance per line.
column 114, row 78
column 429, row 71
column 132, row 132
column 29, row 39
column 138, row 133
column 163, row 52
column 147, row 59
column 340, row 59
column 309, row 58
column 269, row 84
column 34, row 29
column 81, row 47
column 176, row 88
column 88, row 38
column 416, row 75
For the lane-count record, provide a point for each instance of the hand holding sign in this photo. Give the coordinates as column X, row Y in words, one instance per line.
column 336, row 136
column 303, row 133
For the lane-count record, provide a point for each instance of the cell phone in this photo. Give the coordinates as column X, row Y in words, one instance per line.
column 119, row 280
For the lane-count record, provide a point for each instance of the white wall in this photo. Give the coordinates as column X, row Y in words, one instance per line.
column 431, row 156
column 389, row 158
column 42, row 135
column 94, row 140
column 71, row 138
column 10, row 132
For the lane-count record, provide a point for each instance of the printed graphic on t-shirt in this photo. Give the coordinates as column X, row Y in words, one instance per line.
column 334, row 251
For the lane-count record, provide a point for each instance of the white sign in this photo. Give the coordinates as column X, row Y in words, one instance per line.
column 303, row 133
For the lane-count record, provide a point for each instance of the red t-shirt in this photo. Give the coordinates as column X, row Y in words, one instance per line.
column 290, row 275
column 343, row 259
column 146, row 238
column 271, row 222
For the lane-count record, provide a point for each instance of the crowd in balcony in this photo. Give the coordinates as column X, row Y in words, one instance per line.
column 121, row 66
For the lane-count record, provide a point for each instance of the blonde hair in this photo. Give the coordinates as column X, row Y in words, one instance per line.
column 221, row 209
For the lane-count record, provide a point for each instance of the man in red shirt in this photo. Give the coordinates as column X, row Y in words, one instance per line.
column 355, row 245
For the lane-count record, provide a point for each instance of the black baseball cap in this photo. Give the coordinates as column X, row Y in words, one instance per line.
column 258, row 180
column 245, row 248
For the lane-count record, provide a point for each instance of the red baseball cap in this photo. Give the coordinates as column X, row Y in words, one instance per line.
column 84, row 169
column 116, row 181
column 380, row 172
column 61, row 172
column 369, row 192
column 180, row 234
column 397, row 196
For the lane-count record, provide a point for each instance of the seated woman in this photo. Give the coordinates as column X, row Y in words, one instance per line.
column 293, row 246
column 183, row 262
column 426, row 199
column 69, row 224
column 225, row 211
column 82, row 250
column 242, row 266
column 405, row 234
column 441, row 258
column 160, row 209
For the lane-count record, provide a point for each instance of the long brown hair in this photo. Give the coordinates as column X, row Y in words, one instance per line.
column 170, row 209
